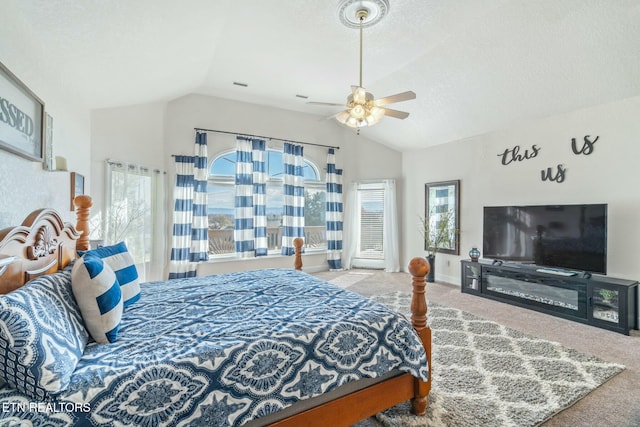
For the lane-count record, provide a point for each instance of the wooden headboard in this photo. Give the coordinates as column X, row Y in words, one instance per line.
column 43, row 244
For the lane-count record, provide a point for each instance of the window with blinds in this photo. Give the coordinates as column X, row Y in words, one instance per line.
column 371, row 219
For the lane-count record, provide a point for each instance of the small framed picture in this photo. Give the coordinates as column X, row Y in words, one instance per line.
column 77, row 186
column 49, row 162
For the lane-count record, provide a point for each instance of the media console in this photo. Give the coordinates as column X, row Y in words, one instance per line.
column 601, row 301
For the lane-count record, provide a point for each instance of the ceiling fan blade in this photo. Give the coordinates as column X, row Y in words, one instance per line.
column 395, row 113
column 328, row 103
column 342, row 115
column 333, row 116
column 398, row 97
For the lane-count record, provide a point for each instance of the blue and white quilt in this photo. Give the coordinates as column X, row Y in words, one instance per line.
column 225, row 349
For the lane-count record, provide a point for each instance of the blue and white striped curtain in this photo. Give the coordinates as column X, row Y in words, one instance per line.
column 250, row 233
column 293, row 190
column 243, row 224
column 190, row 241
column 334, row 210
column 259, row 196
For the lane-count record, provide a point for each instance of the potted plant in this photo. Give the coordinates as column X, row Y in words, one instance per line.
column 437, row 232
column 608, row 295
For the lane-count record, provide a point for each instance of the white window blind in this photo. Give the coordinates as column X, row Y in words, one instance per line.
column 371, row 213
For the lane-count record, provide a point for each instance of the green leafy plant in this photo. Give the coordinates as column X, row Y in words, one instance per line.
column 438, row 231
column 608, row 294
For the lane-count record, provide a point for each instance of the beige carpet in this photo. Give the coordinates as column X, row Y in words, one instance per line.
column 614, row 404
column 350, row 278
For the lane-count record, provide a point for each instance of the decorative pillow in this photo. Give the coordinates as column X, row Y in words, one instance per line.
column 121, row 262
column 42, row 336
column 99, row 297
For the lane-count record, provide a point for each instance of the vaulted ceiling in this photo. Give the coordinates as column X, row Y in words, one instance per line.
column 476, row 66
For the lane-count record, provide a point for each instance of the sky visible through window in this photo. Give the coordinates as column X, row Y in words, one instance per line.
column 221, row 211
column 222, row 194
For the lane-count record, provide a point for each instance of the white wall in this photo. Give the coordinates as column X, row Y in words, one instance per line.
column 132, row 134
column 24, row 185
column 609, row 175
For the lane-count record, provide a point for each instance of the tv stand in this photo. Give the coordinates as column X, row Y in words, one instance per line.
column 601, row 301
column 563, row 273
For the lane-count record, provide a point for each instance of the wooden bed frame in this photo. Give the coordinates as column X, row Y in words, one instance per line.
column 44, row 244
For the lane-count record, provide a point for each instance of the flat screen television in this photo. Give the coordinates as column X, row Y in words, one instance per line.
column 572, row 237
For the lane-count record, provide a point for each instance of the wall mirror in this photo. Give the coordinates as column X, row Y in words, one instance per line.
column 442, row 217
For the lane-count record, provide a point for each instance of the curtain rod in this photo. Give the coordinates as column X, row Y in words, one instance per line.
column 133, row 165
column 265, row 137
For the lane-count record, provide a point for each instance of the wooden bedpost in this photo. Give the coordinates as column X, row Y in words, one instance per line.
column 297, row 244
column 83, row 205
column 419, row 268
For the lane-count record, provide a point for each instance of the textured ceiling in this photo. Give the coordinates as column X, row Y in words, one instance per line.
column 475, row 66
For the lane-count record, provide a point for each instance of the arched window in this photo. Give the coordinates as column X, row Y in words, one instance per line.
column 221, row 195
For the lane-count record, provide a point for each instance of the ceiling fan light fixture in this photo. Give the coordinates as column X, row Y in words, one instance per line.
column 360, row 115
column 347, row 119
column 357, row 112
column 362, row 109
column 359, row 95
column 374, row 116
column 353, row 122
column 342, row 116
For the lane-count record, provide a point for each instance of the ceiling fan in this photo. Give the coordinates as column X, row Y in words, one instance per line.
column 362, row 109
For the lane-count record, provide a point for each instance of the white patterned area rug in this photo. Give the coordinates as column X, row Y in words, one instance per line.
column 485, row 374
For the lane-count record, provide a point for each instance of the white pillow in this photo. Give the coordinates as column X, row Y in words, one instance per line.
column 98, row 294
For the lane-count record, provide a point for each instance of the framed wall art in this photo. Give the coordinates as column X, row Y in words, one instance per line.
column 442, row 216
column 21, row 118
column 77, row 186
column 49, row 161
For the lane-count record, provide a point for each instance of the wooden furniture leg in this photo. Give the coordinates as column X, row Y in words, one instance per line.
column 419, row 268
column 297, row 244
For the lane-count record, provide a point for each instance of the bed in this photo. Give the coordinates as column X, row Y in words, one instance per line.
column 272, row 347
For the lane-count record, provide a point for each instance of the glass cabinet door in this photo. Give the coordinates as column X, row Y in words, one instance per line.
column 471, row 275
column 605, row 305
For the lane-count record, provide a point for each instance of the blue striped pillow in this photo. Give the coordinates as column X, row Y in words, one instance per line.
column 98, row 295
column 121, row 262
